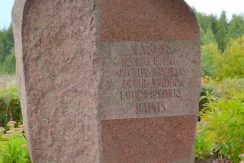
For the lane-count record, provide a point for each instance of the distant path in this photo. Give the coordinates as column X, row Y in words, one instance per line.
column 7, row 81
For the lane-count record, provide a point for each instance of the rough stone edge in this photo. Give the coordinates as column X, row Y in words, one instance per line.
column 17, row 23
column 190, row 9
column 18, row 11
column 96, row 69
column 194, row 17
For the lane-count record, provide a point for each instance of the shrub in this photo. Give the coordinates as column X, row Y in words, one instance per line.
column 13, row 148
column 9, row 106
column 203, row 144
column 222, row 127
column 206, row 95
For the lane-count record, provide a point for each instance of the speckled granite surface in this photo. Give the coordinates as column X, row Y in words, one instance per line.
column 109, row 81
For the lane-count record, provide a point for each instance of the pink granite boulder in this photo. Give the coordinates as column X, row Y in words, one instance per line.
column 109, row 81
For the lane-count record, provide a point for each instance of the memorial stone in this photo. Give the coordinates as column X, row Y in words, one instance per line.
column 108, row 81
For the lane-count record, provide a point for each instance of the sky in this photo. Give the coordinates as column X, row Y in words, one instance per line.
column 217, row 6
column 207, row 6
column 5, row 13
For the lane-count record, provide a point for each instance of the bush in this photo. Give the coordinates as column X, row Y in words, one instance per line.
column 9, row 106
column 13, row 146
column 222, row 128
column 206, row 95
column 203, row 144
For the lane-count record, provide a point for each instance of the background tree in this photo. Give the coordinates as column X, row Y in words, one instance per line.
column 231, row 63
column 6, row 42
column 207, row 37
column 222, row 31
column 235, row 27
column 7, row 55
column 207, row 21
column 209, row 53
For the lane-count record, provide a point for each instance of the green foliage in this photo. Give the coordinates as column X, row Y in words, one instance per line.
column 14, row 150
column 207, row 37
column 6, row 43
column 9, row 106
column 13, row 146
column 222, row 128
column 235, row 27
column 207, row 21
column 7, row 55
column 206, row 96
column 9, row 63
column 209, row 53
column 221, row 46
column 231, row 63
column 203, row 145
column 222, row 26
column 8, row 66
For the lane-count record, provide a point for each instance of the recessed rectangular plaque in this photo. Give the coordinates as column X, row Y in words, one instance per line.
column 148, row 79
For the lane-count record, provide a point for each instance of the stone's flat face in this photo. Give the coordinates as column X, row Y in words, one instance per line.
column 148, row 79
column 146, row 20
column 148, row 140
column 109, row 81
column 150, row 83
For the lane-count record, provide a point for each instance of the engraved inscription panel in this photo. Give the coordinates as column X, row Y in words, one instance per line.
column 148, row 79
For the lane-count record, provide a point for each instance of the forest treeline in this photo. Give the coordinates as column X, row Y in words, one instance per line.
column 7, row 54
column 222, row 47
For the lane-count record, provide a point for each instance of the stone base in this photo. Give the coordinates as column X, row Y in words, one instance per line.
column 148, row 140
